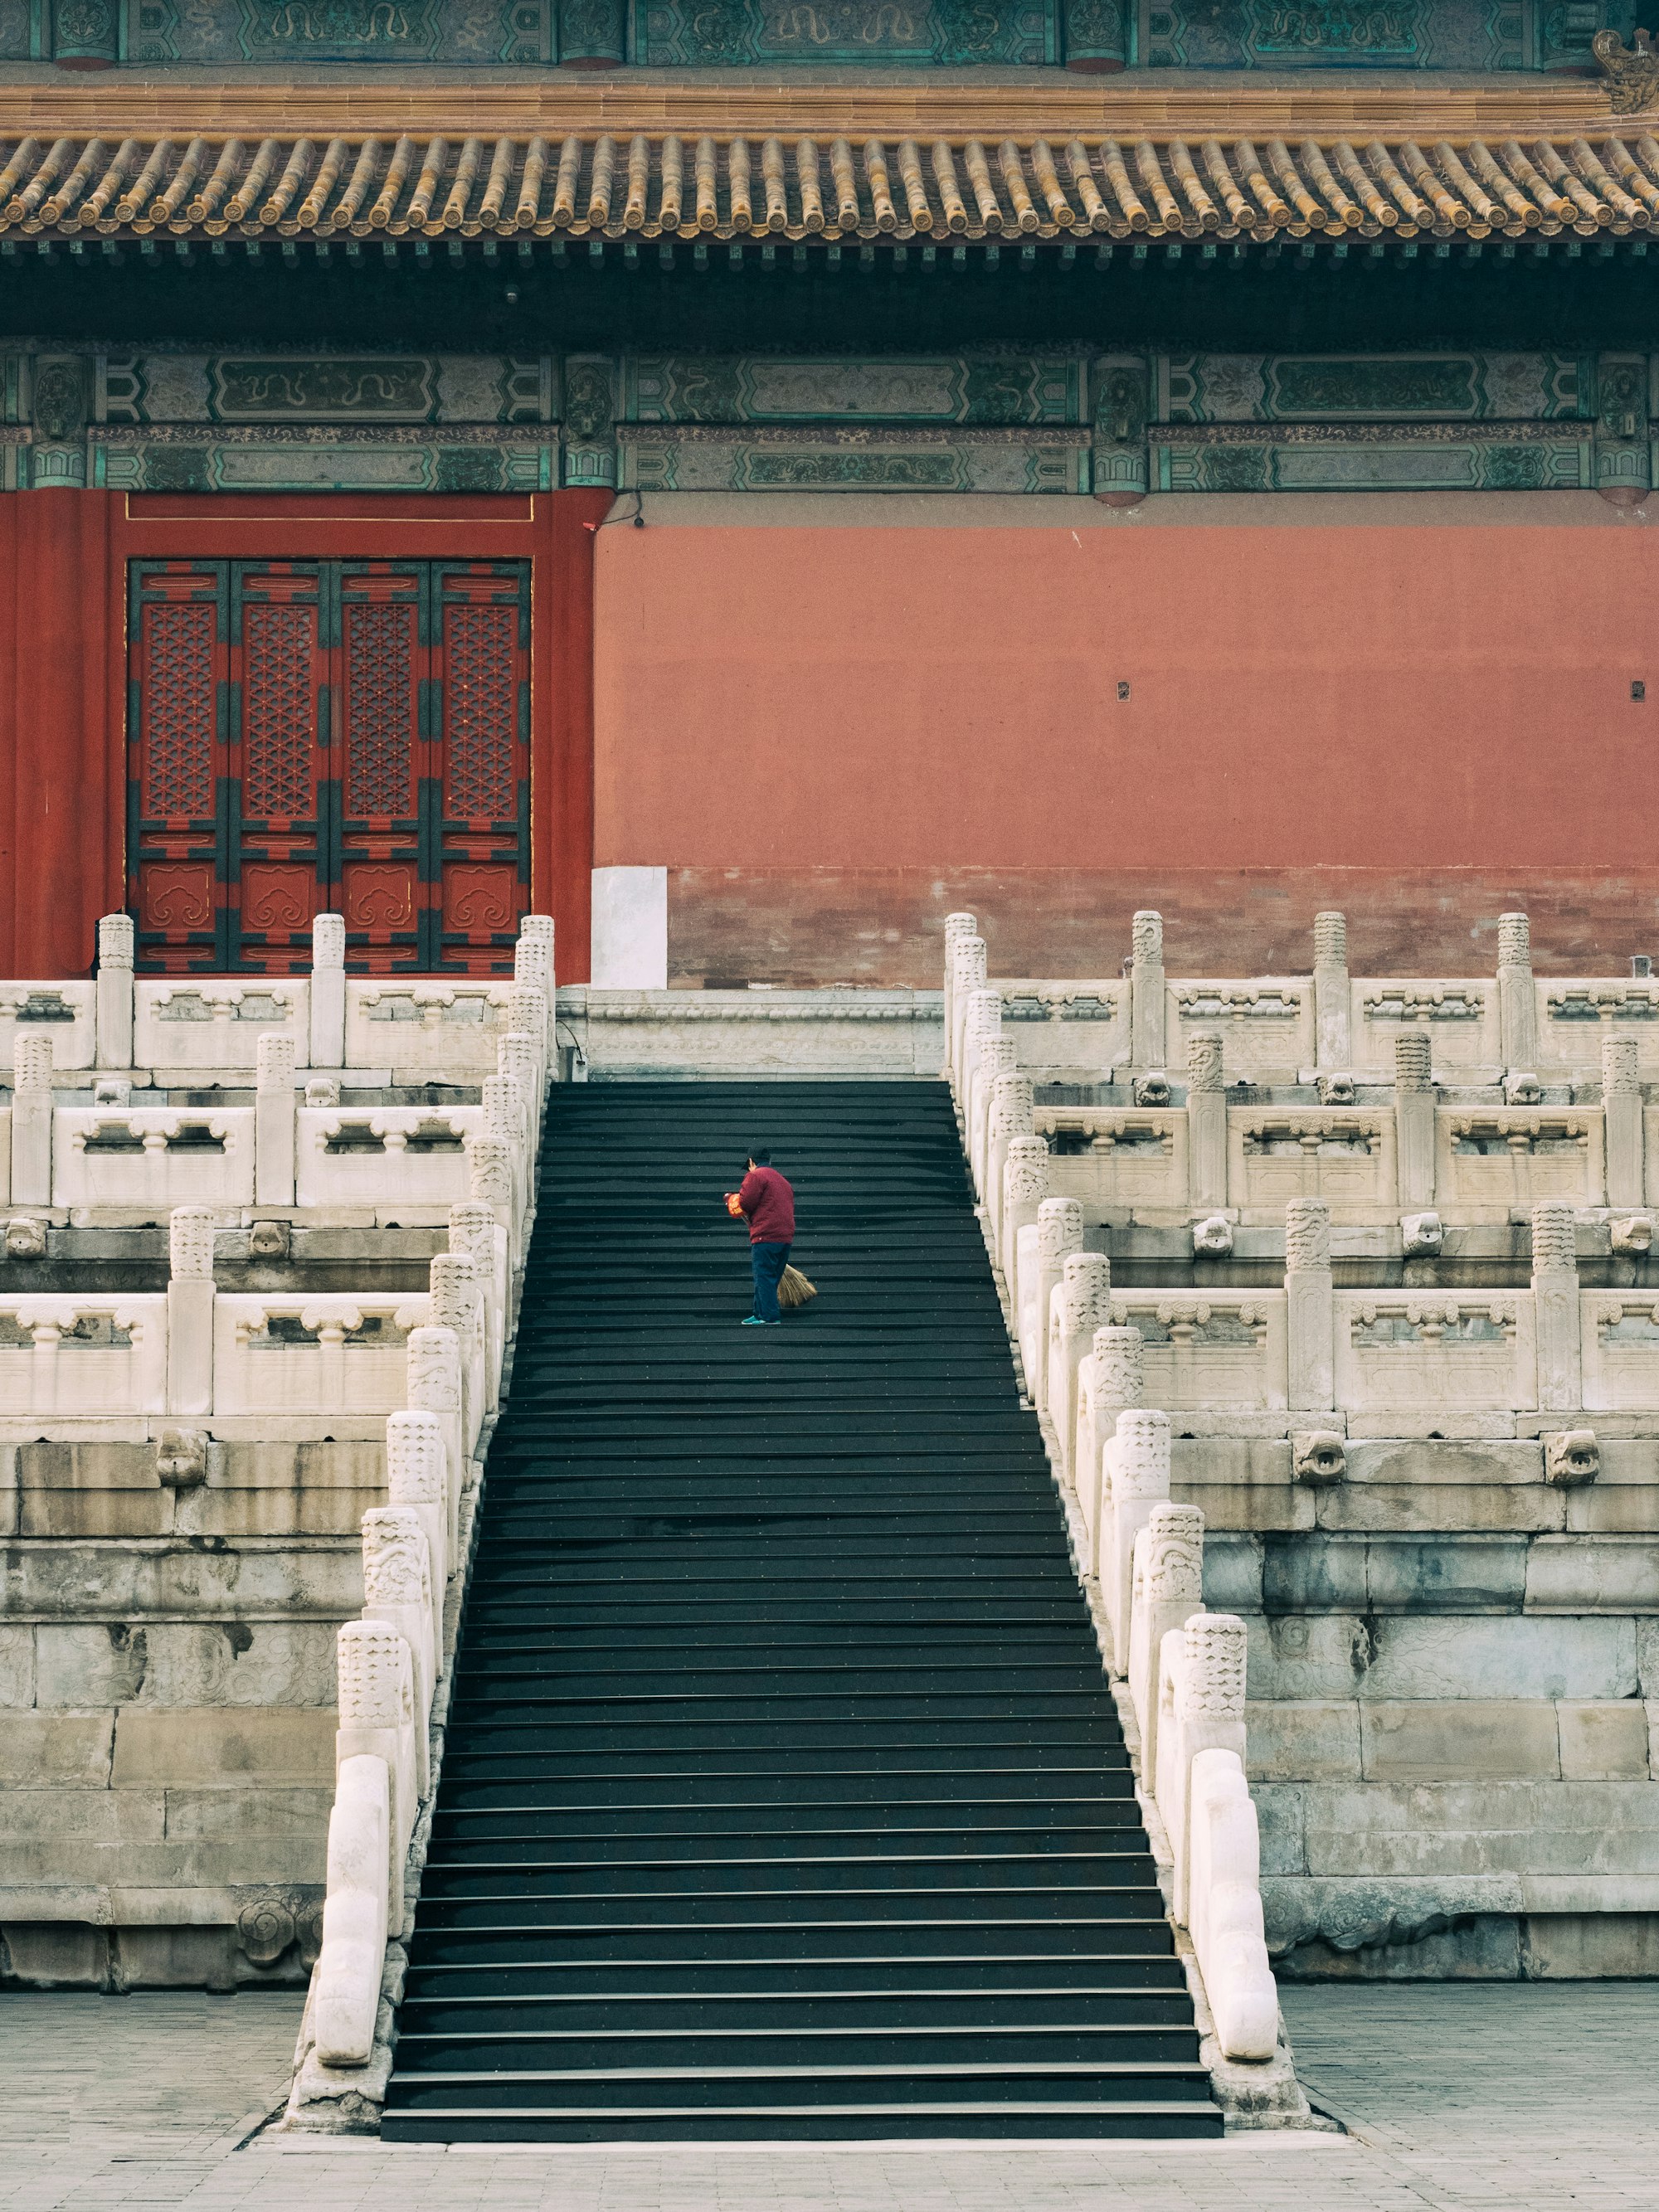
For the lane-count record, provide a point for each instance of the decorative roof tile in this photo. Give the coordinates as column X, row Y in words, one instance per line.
column 778, row 185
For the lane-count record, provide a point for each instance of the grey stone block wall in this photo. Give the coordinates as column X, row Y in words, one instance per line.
column 1454, row 1681
column 166, row 1708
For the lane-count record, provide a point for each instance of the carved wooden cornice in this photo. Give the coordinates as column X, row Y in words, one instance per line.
column 983, row 104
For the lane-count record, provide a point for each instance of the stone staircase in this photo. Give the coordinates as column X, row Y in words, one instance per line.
column 783, row 1796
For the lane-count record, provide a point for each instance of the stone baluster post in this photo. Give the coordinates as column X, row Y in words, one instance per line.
column 527, row 1016
column 31, row 1118
column 190, row 1310
column 1517, row 1000
column 529, row 967
column 1058, row 1233
column 996, row 1059
column 502, row 1101
column 1333, row 999
column 414, row 1478
column 970, row 975
column 518, row 1055
column 1413, row 1120
column 1111, row 1380
column 398, row 1594
column 1081, row 1304
column 1010, row 1117
column 490, row 1182
column 115, row 956
column 957, row 927
column 1206, row 1122
column 377, row 1721
column 1623, row 1128
column 435, row 1387
column 273, row 1121
column 984, row 1024
column 345, row 1998
column 328, row 991
column 530, row 1006
column 1147, row 993
column 537, row 929
column 1025, row 1187
column 1311, row 1300
column 1555, row 1308
column 1166, row 1589
column 474, row 1231
column 458, row 1303
column 1139, row 1459
column 1209, row 1715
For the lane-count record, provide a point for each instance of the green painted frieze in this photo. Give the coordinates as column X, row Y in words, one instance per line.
column 301, row 31
column 990, row 388
column 1481, row 35
column 1365, row 387
column 680, row 33
column 1122, row 425
column 1444, row 34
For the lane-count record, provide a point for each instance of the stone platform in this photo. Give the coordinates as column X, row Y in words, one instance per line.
column 1520, row 2098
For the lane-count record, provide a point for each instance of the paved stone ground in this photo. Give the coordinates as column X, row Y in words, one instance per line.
column 1495, row 2097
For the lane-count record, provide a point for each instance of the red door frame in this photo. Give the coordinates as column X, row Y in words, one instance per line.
column 62, row 677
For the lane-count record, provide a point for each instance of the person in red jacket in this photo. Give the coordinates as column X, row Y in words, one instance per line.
column 767, row 1202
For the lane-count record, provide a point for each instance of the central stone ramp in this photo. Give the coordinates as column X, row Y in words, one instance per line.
column 783, row 1796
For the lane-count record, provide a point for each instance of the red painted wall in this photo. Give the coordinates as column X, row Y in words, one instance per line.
column 62, row 708
column 847, row 724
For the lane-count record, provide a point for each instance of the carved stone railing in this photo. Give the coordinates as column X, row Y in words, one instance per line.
column 394, row 1663
column 297, row 1145
column 1204, row 1800
column 1399, row 1147
column 444, row 1027
column 1284, row 1029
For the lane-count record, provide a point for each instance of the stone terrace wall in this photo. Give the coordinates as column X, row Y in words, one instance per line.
column 1426, row 1451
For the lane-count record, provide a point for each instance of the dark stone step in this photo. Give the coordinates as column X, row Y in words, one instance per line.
column 979, row 1979
column 767, row 2011
column 501, row 1941
column 1122, row 2120
column 1001, row 2081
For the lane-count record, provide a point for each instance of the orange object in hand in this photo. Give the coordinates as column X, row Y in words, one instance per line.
column 734, row 1206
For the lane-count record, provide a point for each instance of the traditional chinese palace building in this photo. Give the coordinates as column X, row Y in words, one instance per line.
column 751, row 476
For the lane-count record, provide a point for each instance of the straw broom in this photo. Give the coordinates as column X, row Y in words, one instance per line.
column 794, row 1290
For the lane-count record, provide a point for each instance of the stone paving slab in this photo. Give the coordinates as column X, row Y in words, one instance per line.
column 1462, row 2098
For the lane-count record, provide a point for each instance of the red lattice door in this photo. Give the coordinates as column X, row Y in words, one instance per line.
column 329, row 736
column 385, row 764
column 482, row 671
column 280, row 863
column 179, row 725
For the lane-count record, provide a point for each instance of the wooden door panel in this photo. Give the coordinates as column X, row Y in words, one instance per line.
column 483, row 645
column 384, row 866
column 179, row 712
column 280, row 866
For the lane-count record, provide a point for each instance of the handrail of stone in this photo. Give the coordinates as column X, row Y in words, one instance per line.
column 1328, row 1025
column 1183, row 1670
column 261, row 1362
column 394, row 1661
column 1203, row 1799
column 275, row 1152
column 1410, row 1158
column 121, row 1020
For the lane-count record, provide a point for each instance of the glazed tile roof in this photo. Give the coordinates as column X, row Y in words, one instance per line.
column 787, row 185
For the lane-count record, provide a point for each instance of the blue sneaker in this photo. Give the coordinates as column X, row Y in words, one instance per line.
column 754, row 1320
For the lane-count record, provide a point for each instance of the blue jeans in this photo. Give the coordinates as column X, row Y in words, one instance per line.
column 769, row 1262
